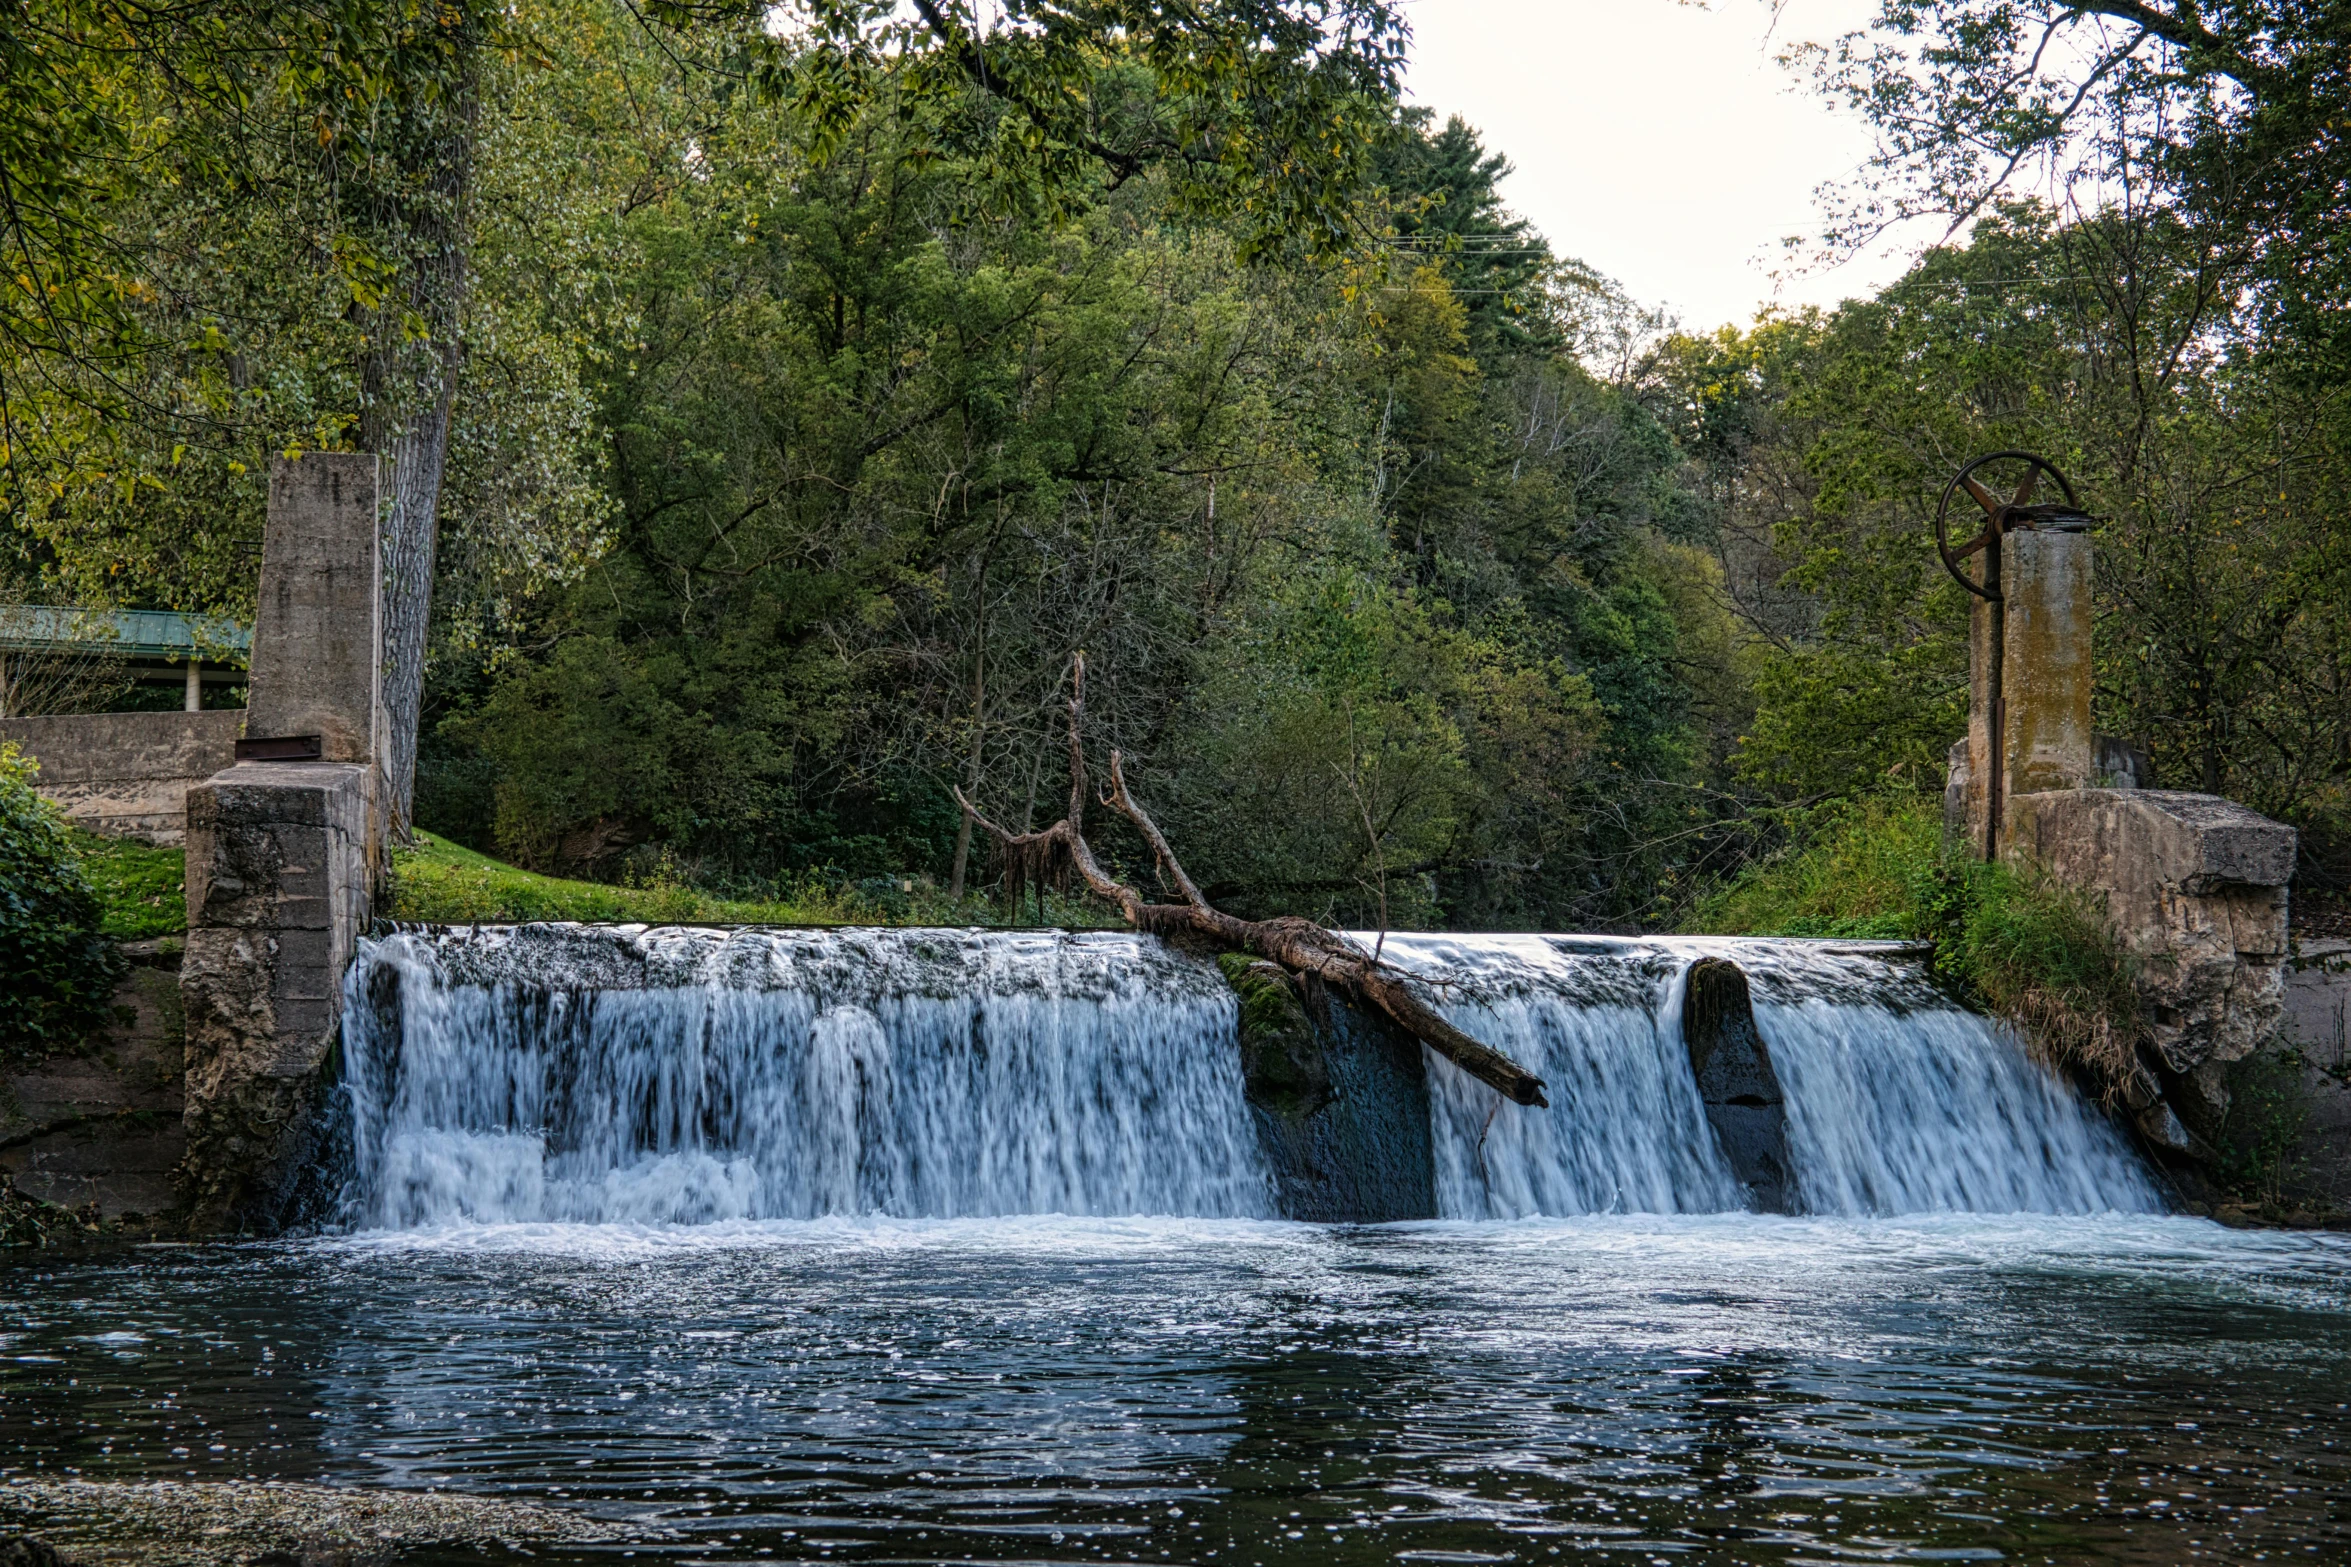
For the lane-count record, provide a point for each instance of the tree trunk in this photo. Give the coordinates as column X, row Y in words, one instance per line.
column 416, row 450
column 1298, row 945
column 979, row 731
column 409, row 382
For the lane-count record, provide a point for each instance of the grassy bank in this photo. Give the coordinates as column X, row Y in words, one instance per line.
column 446, row 883
column 2026, row 948
column 142, row 890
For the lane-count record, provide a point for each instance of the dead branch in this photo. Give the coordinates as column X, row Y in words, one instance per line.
column 1051, row 856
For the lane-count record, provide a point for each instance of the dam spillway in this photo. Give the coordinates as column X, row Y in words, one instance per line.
column 687, row 1076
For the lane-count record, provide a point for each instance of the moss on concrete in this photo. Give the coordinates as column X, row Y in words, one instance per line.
column 1282, row 1063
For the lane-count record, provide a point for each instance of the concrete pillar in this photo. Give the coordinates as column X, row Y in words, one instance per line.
column 317, row 643
column 2030, row 680
column 284, row 849
column 195, row 685
column 277, row 892
column 2046, row 740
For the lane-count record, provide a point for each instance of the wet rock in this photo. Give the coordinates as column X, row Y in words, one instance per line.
column 1283, row 1068
column 1736, row 1083
column 1340, row 1100
column 22, row 1550
column 2161, row 1126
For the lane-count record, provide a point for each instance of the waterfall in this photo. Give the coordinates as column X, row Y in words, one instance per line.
column 571, row 1073
column 1625, row 1132
column 1897, row 1100
column 679, row 1076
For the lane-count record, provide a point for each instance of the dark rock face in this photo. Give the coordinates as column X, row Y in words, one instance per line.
column 1340, row 1098
column 99, row 1126
column 1741, row 1093
column 2316, row 1170
column 22, row 1550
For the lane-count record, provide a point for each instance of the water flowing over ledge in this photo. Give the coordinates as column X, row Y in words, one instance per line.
column 685, row 1076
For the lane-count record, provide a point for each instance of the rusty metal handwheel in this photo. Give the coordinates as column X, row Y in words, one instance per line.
column 2000, row 516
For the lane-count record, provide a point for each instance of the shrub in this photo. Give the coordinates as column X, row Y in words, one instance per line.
column 1854, row 870
column 60, row 968
column 2261, row 1136
column 2042, row 955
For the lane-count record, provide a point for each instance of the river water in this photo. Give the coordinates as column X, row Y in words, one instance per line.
column 1725, row 1388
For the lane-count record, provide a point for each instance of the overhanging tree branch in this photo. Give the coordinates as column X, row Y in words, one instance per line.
column 1299, row 946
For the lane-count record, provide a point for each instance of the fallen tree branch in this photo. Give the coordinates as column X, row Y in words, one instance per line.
column 1051, row 856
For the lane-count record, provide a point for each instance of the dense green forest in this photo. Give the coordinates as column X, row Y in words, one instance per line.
column 797, row 440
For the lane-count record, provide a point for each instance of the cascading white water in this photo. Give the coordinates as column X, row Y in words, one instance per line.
column 684, row 1076
column 1934, row 1112
column 1625, row 1132
column 1897, row 1101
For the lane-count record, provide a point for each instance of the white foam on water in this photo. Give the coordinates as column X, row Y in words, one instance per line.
column 1621, row 1280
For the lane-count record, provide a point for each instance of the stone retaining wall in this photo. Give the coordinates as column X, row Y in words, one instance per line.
column 2196, row 887
column 101, row 1124
column 2318, row 1025
column 127, row 775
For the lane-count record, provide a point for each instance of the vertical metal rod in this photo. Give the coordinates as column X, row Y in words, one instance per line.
column 1996, row 704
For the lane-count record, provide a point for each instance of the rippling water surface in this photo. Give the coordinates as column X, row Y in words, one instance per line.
column 1696, row 1389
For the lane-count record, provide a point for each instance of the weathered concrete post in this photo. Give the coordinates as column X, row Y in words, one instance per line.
column 2029, row 725
column 317, row 664
column 282, row 852
column 2046, row 741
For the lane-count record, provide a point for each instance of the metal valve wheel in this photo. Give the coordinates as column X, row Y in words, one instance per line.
column 2000, row 516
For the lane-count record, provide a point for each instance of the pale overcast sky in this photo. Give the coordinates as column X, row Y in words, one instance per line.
column 1661, row 143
